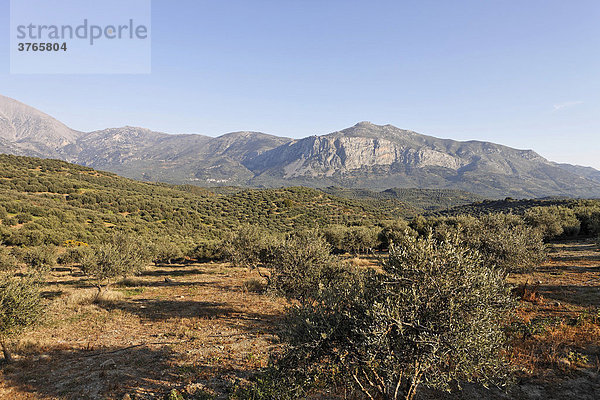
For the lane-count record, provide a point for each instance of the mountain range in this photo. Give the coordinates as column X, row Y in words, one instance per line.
column 363, row 156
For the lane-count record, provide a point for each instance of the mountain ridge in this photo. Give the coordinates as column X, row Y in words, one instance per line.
column 365, row 155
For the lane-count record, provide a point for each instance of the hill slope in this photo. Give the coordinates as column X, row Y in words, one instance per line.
column 51, row 201
column 363, row 156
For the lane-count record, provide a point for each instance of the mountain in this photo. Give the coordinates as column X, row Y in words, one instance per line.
column 25, row 130
column 585, row 172
column 364, row 156
column 379, row 157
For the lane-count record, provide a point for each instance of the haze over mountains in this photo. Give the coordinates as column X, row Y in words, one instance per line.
column 363, row 156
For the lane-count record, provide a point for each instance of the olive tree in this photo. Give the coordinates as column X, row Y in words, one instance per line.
column 119, row 256
column 553, row 221
column 20, row 307
column 432, row 316
column 503, row 240
column 165, row 251
column 301, row 265
column 8, row 261
column 39, row 258
column 250, row 246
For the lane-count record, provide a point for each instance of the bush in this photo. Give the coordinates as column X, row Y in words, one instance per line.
column 504, row 240
column 334, row 235
column 250, row 247
column 301, row 265
column 20, row 307
column 589, row 216
column 433, row 316
column 208, row 250
column 8, row 262
column 553, row 221
column 40, row 258
column 165, row 251
column 394, row 232
column 120, row 256
column 74, row 255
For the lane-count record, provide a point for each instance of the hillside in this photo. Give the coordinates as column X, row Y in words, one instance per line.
column 366, row 155
column 50, row 201
column 424, row 199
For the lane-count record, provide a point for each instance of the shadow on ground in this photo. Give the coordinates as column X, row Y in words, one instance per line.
column 155, row 310
column 83, row 374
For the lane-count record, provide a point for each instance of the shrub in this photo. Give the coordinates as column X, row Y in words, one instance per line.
column 432, row 317
column 359, row 239
column 165, row 251
column 334, row 235
column 394, row 232
column 589, row 216
column 20, row 307
column 250, row 246
column 74, row 255
column 301, row 265
column 8, row 262
column 504, row 240
column 553, row 221
column 208, row 250
column 40, row 258
column 122, row 255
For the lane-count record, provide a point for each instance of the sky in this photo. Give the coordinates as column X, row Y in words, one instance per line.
column 521, row 73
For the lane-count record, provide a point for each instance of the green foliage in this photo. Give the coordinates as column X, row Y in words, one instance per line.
column 74, row 255
column 174, row 395
column 122, row 255
column 20, row 308
column 250, row 246
column 359, row 239
column 553, row 221
column 589, row 215
column 433, row 316
column 394, row 232
column 301, row 265
column 504, row 240
column 354, row 239
column 39, row 258
column 8, row 262
column 165, row 251
column 208, row 250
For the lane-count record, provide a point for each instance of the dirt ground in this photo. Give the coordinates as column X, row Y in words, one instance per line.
column 202, row 328
column 194, row 328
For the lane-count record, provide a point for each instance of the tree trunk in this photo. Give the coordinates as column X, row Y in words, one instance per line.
column 6, row 351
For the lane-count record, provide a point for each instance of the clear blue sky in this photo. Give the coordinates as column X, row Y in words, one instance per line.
column 525, row 73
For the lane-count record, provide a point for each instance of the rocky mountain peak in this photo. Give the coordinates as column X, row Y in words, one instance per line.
column 365, row 155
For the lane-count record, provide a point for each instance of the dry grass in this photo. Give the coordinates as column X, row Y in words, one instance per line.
column 557, row 331
column 194, row 328
column 201, row 328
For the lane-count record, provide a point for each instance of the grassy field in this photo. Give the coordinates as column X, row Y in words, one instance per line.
column 203, row 328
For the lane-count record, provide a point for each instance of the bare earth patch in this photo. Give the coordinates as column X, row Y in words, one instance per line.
column 202, row 328
column 190, row 327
